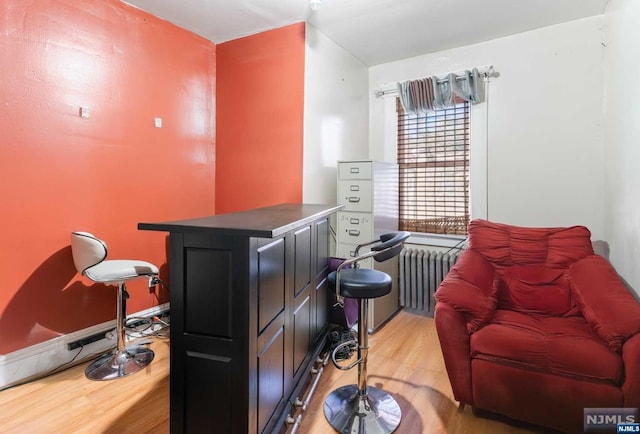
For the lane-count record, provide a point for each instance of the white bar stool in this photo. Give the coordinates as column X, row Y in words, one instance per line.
column 89, row 254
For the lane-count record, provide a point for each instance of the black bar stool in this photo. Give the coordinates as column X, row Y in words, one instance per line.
column 361, row 408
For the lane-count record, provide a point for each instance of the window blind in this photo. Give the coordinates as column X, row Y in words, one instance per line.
column 433, row 162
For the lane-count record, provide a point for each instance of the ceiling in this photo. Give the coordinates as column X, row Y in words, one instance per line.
column 375, row 31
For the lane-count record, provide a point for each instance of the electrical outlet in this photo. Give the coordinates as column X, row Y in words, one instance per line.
column 153, row 282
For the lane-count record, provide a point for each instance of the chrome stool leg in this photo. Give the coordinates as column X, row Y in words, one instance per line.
column 361, row 408
column 122, row 361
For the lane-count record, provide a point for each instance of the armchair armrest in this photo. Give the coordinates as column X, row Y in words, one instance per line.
column 455, row 343
column 470, row 289
column 631, row 360
column 604, row 301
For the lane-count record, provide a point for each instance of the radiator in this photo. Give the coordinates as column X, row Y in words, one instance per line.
column 420, row 274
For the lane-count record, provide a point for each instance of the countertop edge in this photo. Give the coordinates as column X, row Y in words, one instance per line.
column 180, row 226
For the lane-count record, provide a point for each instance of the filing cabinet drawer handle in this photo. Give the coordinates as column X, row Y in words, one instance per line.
column 354, row 221
column 354, row 188
column 354, row 199
column 354, row 232
column 354, row 170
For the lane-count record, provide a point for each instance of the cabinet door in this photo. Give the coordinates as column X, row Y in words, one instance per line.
column 204, row 374
column 321, row 272
column 271, row 363
column 302, row 253
column 301, row 323
column 271, row 282
column 301, row 329
column 204, row 334
column 271, row 371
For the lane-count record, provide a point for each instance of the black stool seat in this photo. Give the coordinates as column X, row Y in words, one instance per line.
column 361, row 283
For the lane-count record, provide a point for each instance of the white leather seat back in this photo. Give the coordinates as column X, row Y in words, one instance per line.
column 87, row 250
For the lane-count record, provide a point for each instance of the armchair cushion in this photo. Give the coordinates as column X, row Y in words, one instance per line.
column 605, row 302
column 564, row 346
column 534, row 289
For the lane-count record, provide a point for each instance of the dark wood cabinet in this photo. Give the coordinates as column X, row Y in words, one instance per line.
column 248, row 314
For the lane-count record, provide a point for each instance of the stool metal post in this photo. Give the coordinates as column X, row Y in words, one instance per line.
column 123, row 295
column 363, row 345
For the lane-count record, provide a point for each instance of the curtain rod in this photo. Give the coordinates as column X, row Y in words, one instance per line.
column 486, row 71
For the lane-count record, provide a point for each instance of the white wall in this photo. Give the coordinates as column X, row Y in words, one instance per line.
column 335, row 114
column 545, row 130
column 622, row 137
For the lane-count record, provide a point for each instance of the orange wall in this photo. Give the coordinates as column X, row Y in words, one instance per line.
column 260, row 91
column 59, row 172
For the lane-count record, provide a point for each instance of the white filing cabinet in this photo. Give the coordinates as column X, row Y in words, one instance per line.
column 369, row 191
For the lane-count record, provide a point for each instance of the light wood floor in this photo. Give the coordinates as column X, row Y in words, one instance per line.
column 405, row 360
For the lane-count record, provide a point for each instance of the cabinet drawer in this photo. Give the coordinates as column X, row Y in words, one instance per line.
column 355, row 195
column 354, row 170
column 355, row 227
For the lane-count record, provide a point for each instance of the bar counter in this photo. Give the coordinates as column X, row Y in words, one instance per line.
column 248, row 314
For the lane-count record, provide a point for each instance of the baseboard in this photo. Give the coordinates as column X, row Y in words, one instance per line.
column 39, row 359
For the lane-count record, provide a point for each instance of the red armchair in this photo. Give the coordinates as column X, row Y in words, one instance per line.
column 536, row 327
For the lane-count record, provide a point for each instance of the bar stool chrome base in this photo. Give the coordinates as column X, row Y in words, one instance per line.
column 119, row 363
column 375, row 413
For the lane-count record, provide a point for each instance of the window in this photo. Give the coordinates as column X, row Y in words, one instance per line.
column 433, row 160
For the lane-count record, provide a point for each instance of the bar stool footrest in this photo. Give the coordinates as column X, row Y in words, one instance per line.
column 353, row 345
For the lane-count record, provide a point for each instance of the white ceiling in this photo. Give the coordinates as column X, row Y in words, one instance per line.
column 375, row 31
